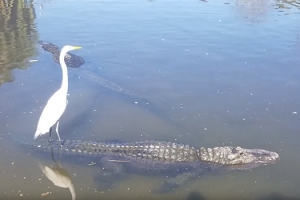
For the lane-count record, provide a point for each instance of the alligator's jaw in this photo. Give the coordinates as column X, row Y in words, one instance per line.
column 237, row 157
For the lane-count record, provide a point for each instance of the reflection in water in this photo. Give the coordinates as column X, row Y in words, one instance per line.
column 288, row 4
column 253, row 10
column 59, row 177
column 17, row 36
column 195, row 196
column 257, row 10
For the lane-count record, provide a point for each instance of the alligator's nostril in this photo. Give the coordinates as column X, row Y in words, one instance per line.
column 276, row 156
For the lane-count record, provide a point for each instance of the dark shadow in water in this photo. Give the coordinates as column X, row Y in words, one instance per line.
column 149, row 107
column 195, row 196
column 80, row 119
column 127, row 96
column 276, row 196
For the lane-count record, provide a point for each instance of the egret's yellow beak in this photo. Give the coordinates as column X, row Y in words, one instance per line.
column 76, row 47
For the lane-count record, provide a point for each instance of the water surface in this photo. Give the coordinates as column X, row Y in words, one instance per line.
column 217, row 73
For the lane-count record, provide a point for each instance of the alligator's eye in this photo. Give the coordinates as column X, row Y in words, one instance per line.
column 234, row 150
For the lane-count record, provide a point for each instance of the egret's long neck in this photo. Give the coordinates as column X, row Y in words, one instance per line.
column 64, row 83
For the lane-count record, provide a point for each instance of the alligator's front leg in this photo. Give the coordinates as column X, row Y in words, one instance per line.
column 112, row 171
column 173, row 183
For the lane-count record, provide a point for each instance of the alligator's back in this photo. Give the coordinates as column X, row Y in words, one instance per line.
column 165, row 152
column 143, row 157
column 52, row 48
column 71, row 59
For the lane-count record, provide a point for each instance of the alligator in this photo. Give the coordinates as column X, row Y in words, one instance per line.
column 71, row 59
column 74, row 61
column 181, row 161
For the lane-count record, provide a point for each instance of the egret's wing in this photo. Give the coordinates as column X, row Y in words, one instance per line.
column 53, row 110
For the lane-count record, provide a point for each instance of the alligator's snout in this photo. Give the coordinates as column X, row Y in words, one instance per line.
column 274, row 156
column 265, row 157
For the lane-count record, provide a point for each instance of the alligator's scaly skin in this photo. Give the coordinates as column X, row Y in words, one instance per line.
column 153, row 156
column 164, row 152
column 71, row 59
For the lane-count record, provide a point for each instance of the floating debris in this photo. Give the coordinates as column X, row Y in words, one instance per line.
column 120, row 161
column 93, row 163
column 45, row 194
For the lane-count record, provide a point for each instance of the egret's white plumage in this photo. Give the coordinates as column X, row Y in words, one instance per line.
column 57, row 103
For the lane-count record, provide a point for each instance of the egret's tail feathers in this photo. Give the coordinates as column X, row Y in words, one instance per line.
column 37, row 134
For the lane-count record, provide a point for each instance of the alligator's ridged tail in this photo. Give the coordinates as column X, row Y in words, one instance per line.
column 22, row 139
column 105, row 83
column 52, row 48
column 25, row 141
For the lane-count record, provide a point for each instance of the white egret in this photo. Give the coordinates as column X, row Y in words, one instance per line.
column 57, row 103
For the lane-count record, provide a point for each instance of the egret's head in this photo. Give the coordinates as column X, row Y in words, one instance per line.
column 70, row 48
column 64, row 52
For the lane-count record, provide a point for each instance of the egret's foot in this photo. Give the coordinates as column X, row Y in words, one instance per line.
column 61, row 148
column 61, row 143
column 50, row 140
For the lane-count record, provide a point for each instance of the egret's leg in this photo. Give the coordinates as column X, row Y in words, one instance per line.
column 57, row 163
column 50, row 134
column 57, row 130
column 50, row 131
